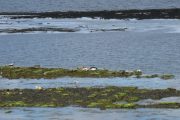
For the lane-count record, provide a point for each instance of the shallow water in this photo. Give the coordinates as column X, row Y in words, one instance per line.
column 155, row 83
column 75, row 113
column 83, row 5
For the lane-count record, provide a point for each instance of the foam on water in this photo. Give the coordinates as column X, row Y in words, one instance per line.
column 88, row 25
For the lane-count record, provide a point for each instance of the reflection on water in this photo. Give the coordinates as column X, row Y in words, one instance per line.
column 155, row 83
column 74, row 113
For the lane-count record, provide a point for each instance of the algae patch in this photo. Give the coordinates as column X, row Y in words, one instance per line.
column 104, row 98
column 12, row 72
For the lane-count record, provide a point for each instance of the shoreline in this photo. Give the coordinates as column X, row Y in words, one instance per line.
column 172, row 13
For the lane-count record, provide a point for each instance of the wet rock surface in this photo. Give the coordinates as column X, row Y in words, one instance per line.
column 103, row 98
column 45, row 29
column 12, row 72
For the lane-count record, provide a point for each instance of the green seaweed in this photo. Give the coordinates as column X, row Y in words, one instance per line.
column 119, row 96
column 13, row 104
column 128, row 105
column 150, row 76
column 92, row 95
column 168, row 103
column 167, row 76
column 133, row 99
column 109, row 97
column 12, row 72
column 94, row 105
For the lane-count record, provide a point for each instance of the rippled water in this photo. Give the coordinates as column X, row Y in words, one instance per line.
column 155, row 83
column 74, row 113
column 83, row 5
column 152, row 52
column 150, row 45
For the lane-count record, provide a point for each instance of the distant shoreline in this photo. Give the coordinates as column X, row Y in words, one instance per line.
column 173, row 13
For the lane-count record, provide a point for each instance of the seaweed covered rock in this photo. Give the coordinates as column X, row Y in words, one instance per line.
column 37, row 72
column 103, row 98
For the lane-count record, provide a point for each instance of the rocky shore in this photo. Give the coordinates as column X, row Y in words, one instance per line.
column 37, row 72
column 103, row 98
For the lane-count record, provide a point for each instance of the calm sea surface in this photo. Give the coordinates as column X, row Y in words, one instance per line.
column 83, row 5
column 149, row 51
